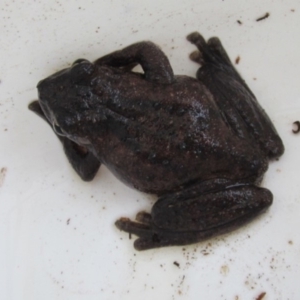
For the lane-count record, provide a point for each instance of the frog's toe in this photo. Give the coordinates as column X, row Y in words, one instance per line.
column 148, row 238
column 197, row 57
column 211, row 51
column 129, row 226
column 196, row 38
column 149, row 242
column 143, row 217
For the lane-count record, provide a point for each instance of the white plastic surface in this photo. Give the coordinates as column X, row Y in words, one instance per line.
column 57, row 234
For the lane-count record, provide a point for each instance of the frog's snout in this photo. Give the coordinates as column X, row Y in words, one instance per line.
column 42, row 86
column 51, row 81
column 45, row 89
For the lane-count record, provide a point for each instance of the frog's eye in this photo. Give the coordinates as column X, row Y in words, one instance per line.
column 78, row 61
column 57, row 129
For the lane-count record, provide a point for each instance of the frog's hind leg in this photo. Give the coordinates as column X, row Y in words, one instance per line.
column 83, row 161
column 234, row 98
column 181, row 221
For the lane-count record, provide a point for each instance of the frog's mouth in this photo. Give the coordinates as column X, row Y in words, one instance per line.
column 80, row 141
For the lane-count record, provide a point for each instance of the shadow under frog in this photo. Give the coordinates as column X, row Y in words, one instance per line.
column 201, row 144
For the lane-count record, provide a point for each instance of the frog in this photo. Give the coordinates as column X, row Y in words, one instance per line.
column 200, row 144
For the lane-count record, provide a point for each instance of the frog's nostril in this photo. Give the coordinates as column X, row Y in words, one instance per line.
column 43, row 88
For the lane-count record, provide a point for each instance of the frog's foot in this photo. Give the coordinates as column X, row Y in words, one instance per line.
column 83, row 161
column 148, row 236
column 175, row 221
column 210, row 51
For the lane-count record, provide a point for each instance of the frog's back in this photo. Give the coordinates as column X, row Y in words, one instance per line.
column 163, row 137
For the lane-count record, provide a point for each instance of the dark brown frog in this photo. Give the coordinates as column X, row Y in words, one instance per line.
column 202, row 145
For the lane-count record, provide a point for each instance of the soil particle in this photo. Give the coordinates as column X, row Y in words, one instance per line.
column 261, row 296
column 265, row 16
column 296, row 126
column 3, row 172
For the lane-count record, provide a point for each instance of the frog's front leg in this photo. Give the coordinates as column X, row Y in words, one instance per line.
column 233, row 97
column 154, row 62
column 82, row 160
column 180, row 221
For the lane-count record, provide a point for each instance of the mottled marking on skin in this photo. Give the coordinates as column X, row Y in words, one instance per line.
column 198, row 113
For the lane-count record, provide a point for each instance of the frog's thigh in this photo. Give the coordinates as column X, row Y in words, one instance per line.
column 180, row 222
column 227, row 208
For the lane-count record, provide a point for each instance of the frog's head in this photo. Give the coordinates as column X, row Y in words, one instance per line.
column 65, row 99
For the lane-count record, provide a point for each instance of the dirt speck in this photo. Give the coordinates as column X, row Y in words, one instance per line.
column 183, row 277
column 68, row 221
column 239, row 22
column 296, row 128
column 261, row 296
column 224, row 270
column 3, row 172
column 237, row 60
column 176, row 264
column 265, row 16
column 290, row 242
